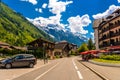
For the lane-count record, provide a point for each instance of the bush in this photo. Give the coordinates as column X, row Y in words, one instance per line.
column 57, row 56
column 110, row 57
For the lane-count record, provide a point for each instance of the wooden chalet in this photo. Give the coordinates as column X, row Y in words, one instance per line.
column 74, row 48
column 48, row 46
column 5, row 46
column 62, row 48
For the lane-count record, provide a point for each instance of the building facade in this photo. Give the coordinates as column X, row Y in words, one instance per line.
column 51, row 49
column 62, row 48
column 46, row 46
column 107, row 31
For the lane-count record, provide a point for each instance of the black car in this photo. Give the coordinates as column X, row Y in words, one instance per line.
column 19, row 60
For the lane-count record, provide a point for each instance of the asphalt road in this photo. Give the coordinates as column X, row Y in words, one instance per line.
column 62, row 69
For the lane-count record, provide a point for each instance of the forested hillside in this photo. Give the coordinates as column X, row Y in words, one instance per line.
column 15, row 29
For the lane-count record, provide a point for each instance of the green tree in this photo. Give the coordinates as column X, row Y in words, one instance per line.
column 83, row 48
column 90, row 44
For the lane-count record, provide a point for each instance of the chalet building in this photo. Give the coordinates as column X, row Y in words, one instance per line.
column 107, row 31
column 5, row 46
column 44, row 44
column 74, row 48
column 51, row 49
column 63, row 48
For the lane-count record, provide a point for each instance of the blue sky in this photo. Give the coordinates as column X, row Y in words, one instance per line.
column 75, row 15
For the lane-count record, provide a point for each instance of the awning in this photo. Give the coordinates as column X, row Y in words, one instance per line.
column 86, row 52
column 90, row 52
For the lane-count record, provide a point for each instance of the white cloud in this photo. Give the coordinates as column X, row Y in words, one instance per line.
column 44, row 5
column 118, row 1
column 43, row 22
column 38, row 9
column 56, row 7
column 77, row 24
column 92, row 34
column 111, row 9
column 34, row 2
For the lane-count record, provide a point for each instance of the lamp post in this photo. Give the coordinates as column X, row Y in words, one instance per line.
column 44, row 52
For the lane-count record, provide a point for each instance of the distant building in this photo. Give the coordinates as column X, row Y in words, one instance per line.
column 107, row 30
column 64, row 48
column 5, row 45
column 48, row 46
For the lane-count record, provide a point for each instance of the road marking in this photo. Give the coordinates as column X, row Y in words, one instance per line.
column 46, row 72
column 73, row 62
column 76, row 67
column 29, row 71
column 79, row 74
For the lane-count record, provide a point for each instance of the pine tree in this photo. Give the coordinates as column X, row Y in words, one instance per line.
column 90, row 44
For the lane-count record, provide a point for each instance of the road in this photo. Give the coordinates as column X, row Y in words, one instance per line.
column 64, row 69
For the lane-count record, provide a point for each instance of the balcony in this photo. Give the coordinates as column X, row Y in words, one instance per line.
column 115, row 34
column 117, row 43
column 105, row 29
column 104, row 37
column 104, row 45
column 117, row 23
column 107, row 44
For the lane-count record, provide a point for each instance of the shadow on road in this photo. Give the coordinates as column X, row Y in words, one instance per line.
column 15, row 68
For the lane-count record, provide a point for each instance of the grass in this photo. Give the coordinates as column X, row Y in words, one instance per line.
column 107, row 61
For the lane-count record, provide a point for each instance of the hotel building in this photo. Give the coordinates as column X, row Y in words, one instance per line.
column 107, row 31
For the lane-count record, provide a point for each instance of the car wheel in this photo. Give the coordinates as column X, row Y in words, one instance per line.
column 8, row 66
column 31, row 65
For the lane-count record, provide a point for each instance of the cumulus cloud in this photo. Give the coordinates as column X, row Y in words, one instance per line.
column 56, row 7
column 43, row 22
column 118, row 1
column 44, row 5
column 34, row 2
column 77, row 24
column 111, row 9
column 38, row 9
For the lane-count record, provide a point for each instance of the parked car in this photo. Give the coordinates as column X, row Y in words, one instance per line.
column 19, row 60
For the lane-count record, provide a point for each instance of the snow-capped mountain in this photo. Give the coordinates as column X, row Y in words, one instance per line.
column 59, row 33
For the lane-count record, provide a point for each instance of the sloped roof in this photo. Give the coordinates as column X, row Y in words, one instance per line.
column 3, row 43
column 40, row 40
column 61, row 45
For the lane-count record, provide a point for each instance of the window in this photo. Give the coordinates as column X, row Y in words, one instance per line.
column 19, row 57
column 116, row 39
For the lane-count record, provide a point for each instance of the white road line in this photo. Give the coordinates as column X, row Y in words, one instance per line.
column 76, row 67
column 46, row 72
column 73, row 62
column 29, row 71
column 79, row 74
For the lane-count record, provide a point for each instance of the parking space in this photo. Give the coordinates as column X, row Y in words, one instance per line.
column 8, row 74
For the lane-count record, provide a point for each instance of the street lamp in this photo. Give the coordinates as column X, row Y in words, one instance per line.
column 44, row 52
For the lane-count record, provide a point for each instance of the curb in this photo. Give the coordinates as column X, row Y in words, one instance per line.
column 104, row 64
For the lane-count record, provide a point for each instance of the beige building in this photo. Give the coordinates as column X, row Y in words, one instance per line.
column 64, row 48
column 107, row 31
